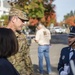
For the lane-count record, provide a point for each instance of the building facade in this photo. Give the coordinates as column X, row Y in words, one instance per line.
column 4, row 7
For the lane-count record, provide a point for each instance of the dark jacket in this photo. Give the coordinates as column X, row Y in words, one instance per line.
column 64, row 59
column 6, row 68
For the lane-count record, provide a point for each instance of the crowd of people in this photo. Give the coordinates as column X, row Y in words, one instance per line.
column 15, row 52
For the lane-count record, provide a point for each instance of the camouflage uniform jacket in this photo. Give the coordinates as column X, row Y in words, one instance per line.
column 21, row 60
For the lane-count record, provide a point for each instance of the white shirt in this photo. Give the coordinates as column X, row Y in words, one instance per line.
column 43, row 36
column 71, row 53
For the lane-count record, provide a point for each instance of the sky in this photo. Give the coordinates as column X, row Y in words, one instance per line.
column 63, row 7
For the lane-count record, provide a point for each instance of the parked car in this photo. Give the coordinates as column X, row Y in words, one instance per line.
column 58, row 29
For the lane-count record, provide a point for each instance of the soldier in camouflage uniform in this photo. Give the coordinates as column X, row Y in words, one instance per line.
column 21, row 60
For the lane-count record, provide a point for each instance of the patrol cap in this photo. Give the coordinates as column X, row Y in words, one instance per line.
column 19, row 13
column 72, row 31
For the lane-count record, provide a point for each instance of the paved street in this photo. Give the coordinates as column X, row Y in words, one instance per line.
column 54, row 57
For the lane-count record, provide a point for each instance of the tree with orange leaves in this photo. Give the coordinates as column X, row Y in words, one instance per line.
column 49, row 14
column 69, row 18
column 70, row 21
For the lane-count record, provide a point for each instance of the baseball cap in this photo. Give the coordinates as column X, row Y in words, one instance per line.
column 19, row 13
column 72, row 31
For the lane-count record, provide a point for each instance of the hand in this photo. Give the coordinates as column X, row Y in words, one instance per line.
column 63, row 73
column 35, row 40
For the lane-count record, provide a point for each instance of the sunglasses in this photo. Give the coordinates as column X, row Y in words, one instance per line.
column 22, row 20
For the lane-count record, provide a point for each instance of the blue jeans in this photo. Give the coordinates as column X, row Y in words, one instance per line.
column 44, row 51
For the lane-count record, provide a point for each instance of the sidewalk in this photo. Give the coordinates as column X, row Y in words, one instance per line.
column 54, row 57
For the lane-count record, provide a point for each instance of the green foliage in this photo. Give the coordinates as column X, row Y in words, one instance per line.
column 37, row 11
column 5, row 18
column 36, row 8
column 33, row 8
